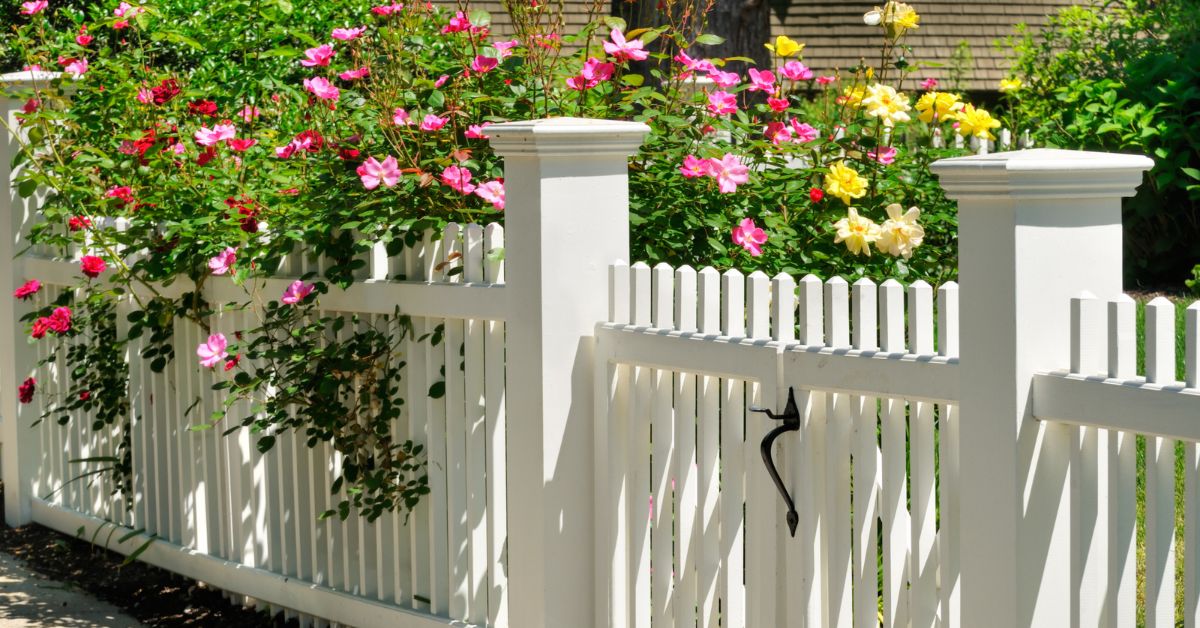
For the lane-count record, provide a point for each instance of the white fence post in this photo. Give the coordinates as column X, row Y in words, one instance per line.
column 567, row 219
column 19, row 448
column 1036, row 227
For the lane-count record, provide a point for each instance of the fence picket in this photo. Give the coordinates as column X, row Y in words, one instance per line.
column 640, row 510
column 1122, row 456
column 762, row 506
column 1191, row 559
column 686, row 497
column 733, row 463
column 709, row 556
column 864, row 417
column 921, row 453
column 837, row 470
column 661, row 457
column 1089, row 494
column 1160, row 474
column 894, row 469
column 948, row 461
column 805, row 471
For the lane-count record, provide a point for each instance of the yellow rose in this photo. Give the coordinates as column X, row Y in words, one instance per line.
column 977, row 122
column 899, row 17
column 784, row 46
column 901, row 233
column 857, row 232
column 1010, row 85
column 843, row 182
column 853, row 96
column 883, row 102
column 938, row 105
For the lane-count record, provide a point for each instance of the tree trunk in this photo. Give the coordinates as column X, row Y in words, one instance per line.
column 746, row 26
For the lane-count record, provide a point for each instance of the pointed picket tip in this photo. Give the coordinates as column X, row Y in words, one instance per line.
column 732, row 272
column 810, row 279
column 1160, row 302
column 685, row 269
column 782, row 277
column 949, row 286
column 759, row 275
column 709, row 270
column 1124, row 298
column 865, row 282
column 640, row 266
column 661, row 266
column 891, row 282
column 919, row 284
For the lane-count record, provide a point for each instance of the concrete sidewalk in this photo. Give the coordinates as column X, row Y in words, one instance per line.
column 30, row 600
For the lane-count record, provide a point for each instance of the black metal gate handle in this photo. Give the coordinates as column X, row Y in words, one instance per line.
column 791, row 423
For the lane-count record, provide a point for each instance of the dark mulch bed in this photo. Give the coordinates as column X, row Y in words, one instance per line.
column 153, row 596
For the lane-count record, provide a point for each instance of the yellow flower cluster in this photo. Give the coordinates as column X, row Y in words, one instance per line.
column 843, row 182
column 883, row 102
column 939, row 106
column 943, row 107
column 899, row 235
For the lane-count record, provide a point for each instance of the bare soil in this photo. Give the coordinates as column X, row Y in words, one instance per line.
column 154, row 596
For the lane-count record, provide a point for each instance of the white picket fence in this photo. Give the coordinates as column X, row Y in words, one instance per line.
column 958, row 461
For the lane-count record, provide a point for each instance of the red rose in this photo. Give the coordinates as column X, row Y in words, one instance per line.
column 84, row 395
column 79, row 222
column 40, row 327
column 165, row 91
column 25, row 390
column 60, row 320
column 202, row 108
column 92, row 266
column 28, row 289
column 816, row 195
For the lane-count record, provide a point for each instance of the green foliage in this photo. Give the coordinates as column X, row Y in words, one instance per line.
column 137, row 178
column 1120, row 77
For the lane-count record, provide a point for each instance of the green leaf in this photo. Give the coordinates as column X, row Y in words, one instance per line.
column 437, row 390
column 139, row 551
column 708, row 39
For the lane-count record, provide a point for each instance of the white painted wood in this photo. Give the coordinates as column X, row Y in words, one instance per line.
column 866, row 464
column 948, row 327
column 783, row 308
column 686, row 480
column 896, row 534
column 811, row 318
column 496, row 427
column 920, row 318
column 618, row 292
column 1160, row 474
column 949, row 531
column 733, row 462
column 1191, row 559
column 476, row 434
column 837, row 524
column 1015, row 560
column 708, row 422
column 662, row 458
column 561, row 239
column 1192, row 350
column 20, row 445
column 1122, row 460
column 763, row 507
column 923, row 551
column 458, row 536
column 638, row 450
column 1090, row 473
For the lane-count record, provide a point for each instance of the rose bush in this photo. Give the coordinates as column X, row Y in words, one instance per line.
column 180, row 150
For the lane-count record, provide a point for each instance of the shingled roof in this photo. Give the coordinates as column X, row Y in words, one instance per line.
column 836, row 36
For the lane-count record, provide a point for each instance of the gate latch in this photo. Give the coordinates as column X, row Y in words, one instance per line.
column 791, row 423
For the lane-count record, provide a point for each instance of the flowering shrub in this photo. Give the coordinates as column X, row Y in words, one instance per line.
column 186, row 154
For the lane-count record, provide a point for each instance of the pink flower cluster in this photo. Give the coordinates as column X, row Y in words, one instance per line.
column 592, row 74
column 729, row 171
column 458, row 179
column 794, row 131
column 750, row 237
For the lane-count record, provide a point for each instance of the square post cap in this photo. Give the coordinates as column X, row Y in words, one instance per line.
column 567, row 137
column 1041, row 173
